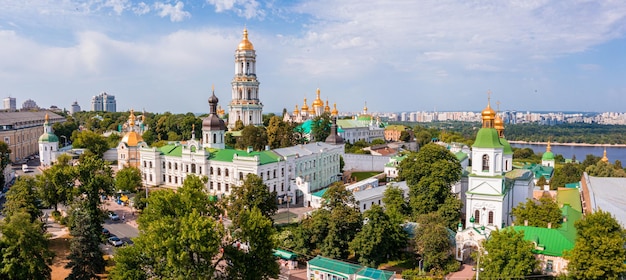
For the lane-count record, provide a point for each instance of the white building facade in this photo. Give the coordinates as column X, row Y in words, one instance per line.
column 245, row 105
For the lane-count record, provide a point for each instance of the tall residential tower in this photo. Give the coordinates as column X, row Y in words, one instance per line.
column 245, row 104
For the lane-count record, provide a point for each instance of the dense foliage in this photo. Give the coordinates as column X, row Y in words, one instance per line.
column 507, row 256
column 539, row 213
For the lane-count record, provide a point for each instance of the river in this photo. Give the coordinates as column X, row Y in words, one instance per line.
column 581, row 152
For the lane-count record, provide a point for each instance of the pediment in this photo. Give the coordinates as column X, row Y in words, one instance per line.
column 486, row 188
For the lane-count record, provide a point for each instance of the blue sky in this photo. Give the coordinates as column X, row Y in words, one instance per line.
column 400, row 55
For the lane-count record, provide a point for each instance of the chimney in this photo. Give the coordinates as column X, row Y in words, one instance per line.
column 549, row 225
column 525, row 222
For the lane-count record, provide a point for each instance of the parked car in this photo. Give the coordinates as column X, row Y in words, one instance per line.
column 115, row 241
column 113, row 216
column 106, row 232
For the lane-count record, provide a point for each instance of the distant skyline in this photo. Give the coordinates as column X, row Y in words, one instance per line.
column 395, row 55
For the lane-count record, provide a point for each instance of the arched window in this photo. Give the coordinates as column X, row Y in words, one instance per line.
column 169, row 165
column 485, row 162
column 491, row 217
column 219, row 171
column 211, row 171
column 214, row 138
column 226, row 172
column 240, row 175
column 477, row 217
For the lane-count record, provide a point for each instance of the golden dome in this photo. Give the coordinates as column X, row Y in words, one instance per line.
column 296, row 111
column 132, row 138
column 245, row 44
column 326, row 108
column 312, row 110
column 365, row 108
column 305, row 107
column 318, row 101
column 604, row 157
column 498, row 123
column 334, row 112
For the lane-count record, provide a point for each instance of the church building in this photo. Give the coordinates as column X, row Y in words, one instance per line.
column 48, row 145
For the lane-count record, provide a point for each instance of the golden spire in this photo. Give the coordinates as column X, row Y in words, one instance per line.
column 326, row 108
column 318, row 101
column 305, row 108
column 548, row 148
column 334, row 112
column 245, row 44
column 365, row 108
column 604, row 157
column 296, row 111
column 498, row 123
column 131, row 118
column 47, row 118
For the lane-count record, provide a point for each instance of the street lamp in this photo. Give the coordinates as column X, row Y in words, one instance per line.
column 288, row 199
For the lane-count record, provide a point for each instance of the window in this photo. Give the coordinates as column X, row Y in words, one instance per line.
column 145, row 164
column 219, row 186
column 164, row 165
column 214, row 138
column 150, row 177
column 477, row 217
column 200, row 170
column 176, row 180
column 211, row 171
column 150, row 164
column 485, row 163
column 210, row 185
column 176, row 166
column 169, row 165
column 549, row 266
column 163, row 177
column 169, row 179
column 282, row 186
column 219, row 171
column 268, row 174
column 282, row 172
column 240, row 175
column 274, row 173
column 225, row 187
column 226, row 172
column 186, row 168
column 491, row 217
column 193, row 168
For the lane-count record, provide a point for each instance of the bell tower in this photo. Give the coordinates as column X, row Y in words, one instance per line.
column 245, row 104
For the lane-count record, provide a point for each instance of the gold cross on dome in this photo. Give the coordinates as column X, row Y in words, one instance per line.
column 489, row 96
column 213, row 87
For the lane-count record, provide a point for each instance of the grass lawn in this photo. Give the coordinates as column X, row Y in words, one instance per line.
column 364, row 175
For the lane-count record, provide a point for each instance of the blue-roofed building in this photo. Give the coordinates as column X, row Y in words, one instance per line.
column 321, row 268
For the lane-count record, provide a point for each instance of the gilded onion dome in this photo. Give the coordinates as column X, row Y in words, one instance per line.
column 132, row 138
column 489, row 116
column 305, row 108
column 312, row 110
column 296, row 111
column 365, row 108
column 318, row 101
column 334, row 112
column 326, row 108
column 245, row 44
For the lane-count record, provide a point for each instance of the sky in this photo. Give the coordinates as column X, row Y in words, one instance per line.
column 402, row 55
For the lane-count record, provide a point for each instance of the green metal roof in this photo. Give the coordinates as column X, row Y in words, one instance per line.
column 396, row 127
column 285, row 255
column 175, row 150
column 573, row 185
column 461, row 156
column 507, row 147
column 334, row 265
column 552, row 241
column 539, row 170
column 226, row 155
column 569, row 197
column 487, row 138
column 319, row 193
column 376, row 274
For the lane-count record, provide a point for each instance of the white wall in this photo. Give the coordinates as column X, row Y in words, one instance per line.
column 357, row 162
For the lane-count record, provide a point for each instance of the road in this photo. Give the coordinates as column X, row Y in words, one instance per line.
column 122, row 230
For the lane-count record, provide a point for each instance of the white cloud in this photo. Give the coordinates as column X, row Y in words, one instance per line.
column 244, row 8
column 175, row 12
column 141, row 9
column 117, row 5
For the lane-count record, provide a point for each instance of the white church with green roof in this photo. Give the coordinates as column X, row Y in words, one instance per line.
column 493, row 187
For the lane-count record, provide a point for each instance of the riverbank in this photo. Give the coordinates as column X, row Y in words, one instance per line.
column 568, row 144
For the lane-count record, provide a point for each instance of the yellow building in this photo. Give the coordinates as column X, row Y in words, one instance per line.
column 21, row 131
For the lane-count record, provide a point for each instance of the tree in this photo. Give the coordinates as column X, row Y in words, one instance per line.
column 541, row 181
column 508, row 256
column 25, row 254
column 91, row 141
column 56, row 184
column 128, row 179
column 432, row 242
column 379, row 240
column 539, row 213
column 604, row 169
column 252, row 136
column 599, row 251
column 252, row 256
column 320, row 127
column 179, row 237
column 252, row 193
column 238, row 125
column 85, row 259
column 405, row 136
column 395, row 205
column 5, row 159
column 344, row 221
column 21, row 198
column 429, row 174
column 568, row 173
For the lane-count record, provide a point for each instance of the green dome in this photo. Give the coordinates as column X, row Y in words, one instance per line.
column 548, row 156
column 487, row 138
column 48, row 137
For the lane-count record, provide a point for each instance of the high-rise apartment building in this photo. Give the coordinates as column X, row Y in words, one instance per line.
column 10, row 104
column 75, row 107
column 103, row 102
